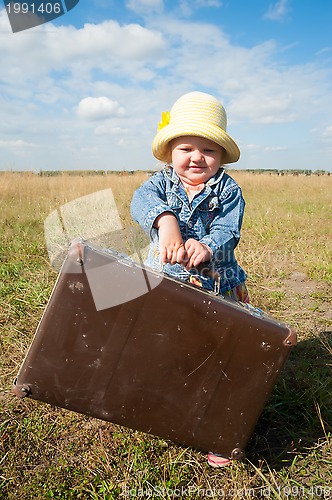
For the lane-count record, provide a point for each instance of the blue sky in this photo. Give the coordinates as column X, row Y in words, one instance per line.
column 87, row 90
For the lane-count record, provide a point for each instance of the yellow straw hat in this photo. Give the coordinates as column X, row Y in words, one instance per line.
column 196, row 114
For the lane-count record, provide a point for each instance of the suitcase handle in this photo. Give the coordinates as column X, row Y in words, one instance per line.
column 206, row 269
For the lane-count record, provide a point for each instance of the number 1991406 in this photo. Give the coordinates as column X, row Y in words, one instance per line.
column 34, row 8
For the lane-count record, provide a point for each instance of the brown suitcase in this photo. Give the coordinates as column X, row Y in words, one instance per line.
column 134, row 347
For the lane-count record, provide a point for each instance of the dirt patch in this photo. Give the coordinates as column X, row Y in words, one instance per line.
column 311, row 294
column 301, row 284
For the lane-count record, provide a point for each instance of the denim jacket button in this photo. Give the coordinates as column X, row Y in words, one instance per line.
column 190, row 224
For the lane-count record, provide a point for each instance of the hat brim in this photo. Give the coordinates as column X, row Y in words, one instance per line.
column 164, row 136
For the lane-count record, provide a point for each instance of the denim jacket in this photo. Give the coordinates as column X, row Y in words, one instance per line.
column 214, row 217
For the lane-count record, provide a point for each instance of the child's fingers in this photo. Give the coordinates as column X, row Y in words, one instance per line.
column 194, row 260
column 197, row 253
column 178, row 254
column 193, row 251
column 173, row 253
column 163, row 254
column 190, row 248
column 182, row 256
column 172, row 256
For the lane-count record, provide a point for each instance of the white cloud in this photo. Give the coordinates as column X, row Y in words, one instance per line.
column 326, row 141
column 18, row 143
column 249, row 81
column 257, row 148
column 109, row 130
column 99, row 108
column 107, row 46
column 208, row 3
column 278, row 11
column 189, row 7
column 328, row 132
column 264, row 108
column 145, row 6
column 276, row 148
column 107, row 40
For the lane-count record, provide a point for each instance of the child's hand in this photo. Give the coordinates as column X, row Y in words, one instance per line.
column 197, row 252
column 171, row 246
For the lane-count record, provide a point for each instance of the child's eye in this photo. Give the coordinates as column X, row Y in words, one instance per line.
column 209, row 151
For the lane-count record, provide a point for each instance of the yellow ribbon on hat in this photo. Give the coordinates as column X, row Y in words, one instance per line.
column 165, row 119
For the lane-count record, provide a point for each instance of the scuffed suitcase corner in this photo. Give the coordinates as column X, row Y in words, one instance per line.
column 291, row 340
column 76, row 251
column 21, row 390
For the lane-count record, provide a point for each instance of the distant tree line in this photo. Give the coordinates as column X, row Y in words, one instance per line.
column 83, row 173
column 286, row 171
column 49, row 173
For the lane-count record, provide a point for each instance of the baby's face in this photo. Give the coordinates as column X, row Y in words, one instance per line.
column 195, row 159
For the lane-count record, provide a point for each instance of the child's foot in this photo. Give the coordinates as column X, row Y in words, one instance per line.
column 217, row 460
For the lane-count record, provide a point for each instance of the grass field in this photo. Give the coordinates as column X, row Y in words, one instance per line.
column 51, row 453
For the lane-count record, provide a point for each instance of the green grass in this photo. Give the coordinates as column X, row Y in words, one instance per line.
column 51, row 453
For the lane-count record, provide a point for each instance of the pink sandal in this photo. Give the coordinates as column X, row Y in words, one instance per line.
column 217, row 460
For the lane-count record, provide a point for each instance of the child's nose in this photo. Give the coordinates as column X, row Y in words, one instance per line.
column 196, row 155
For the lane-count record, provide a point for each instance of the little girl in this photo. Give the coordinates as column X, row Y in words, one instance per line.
column 192, row 210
